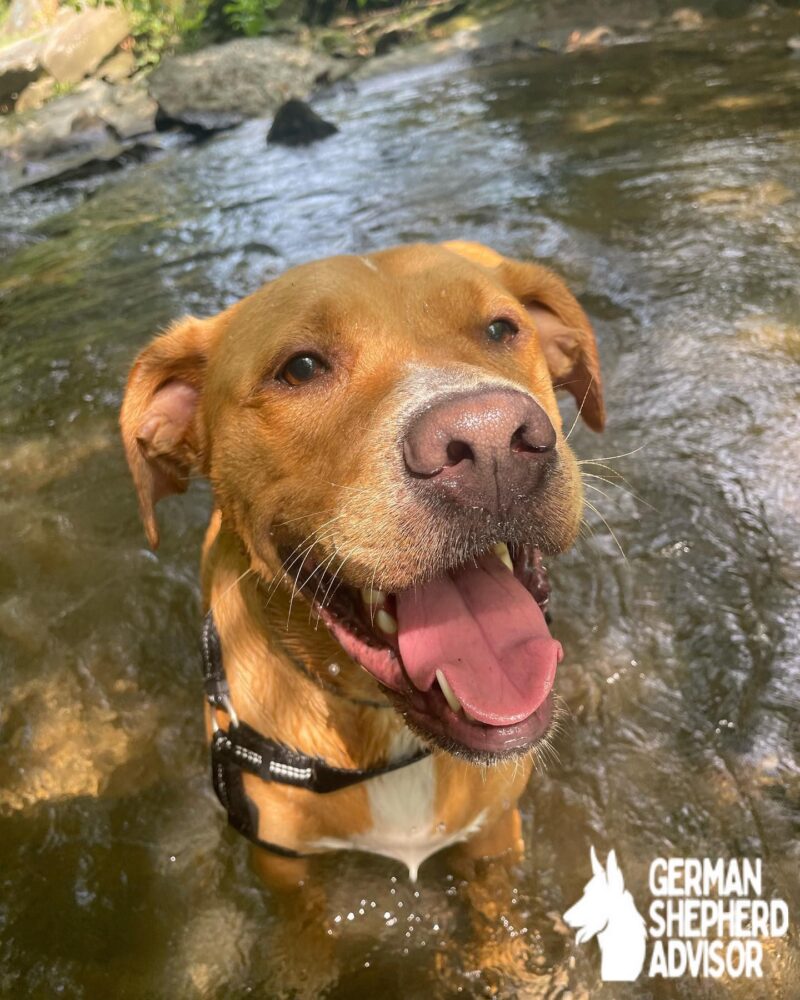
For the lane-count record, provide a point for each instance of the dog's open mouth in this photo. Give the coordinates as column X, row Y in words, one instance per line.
column 467, row 656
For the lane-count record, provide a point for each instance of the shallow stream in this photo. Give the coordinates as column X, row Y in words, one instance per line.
column 662, row 179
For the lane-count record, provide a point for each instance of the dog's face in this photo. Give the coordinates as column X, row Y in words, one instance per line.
column 382, row 433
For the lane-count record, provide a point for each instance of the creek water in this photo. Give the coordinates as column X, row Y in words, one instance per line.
column 662, row 179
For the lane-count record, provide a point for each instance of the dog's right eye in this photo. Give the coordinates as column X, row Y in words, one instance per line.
column 301, row 369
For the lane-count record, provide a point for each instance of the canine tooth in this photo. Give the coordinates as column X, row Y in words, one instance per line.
column 448, row 692
column 385, row 622
column 502, row 553
column 370, row 596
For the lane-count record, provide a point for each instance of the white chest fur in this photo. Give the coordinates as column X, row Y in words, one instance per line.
column 403, row 810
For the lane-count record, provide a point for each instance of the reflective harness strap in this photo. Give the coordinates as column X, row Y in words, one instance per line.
column 240, row 748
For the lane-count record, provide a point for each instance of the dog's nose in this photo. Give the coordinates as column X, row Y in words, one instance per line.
column 482, row 449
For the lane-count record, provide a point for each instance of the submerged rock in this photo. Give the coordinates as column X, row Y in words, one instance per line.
column 597, row 37
column 248, row 76
column 297, row 124
column 687, row 19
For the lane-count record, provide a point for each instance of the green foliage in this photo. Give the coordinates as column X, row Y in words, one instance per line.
column 157, row 26
column 250, row 17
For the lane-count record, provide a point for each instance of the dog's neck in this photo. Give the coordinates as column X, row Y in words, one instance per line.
column 278, row 662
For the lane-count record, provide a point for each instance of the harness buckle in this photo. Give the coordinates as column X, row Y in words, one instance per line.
column 222, row 700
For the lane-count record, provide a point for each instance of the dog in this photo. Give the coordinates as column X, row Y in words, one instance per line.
column 388, row 466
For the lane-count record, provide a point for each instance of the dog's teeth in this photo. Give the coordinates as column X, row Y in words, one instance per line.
column 370, row 596
column 385, row 622
column 448, row 693
column 502, row 553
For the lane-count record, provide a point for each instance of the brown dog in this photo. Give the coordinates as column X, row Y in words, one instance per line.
column 387, row 459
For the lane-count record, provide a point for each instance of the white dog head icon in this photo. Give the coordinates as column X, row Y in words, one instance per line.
column 607, row 909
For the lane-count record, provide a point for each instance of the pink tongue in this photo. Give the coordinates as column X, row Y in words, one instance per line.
column 487, row 635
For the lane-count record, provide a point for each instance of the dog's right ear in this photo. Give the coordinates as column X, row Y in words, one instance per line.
column 160, row 417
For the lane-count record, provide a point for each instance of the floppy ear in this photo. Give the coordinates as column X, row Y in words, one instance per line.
column 564, row 330
column 161, row 430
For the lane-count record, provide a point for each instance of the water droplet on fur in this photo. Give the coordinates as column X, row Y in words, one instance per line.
column 333, row 669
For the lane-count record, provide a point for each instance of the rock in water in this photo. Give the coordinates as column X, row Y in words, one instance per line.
column 248, row 77
column 296, row 124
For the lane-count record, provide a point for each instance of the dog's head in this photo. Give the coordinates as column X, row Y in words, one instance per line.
column 382, row 433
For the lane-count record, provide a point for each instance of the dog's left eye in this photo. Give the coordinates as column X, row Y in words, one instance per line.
column 500, row 331
column 301, row 369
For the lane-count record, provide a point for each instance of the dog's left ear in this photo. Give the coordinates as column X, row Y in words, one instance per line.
column 160, row 418
column 566, row 336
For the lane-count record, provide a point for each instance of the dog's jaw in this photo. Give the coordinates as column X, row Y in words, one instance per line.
column 365, row 624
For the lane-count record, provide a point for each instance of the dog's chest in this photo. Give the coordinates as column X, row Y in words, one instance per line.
column 405, row 820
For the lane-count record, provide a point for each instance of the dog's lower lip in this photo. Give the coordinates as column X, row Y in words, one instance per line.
column 473, row 737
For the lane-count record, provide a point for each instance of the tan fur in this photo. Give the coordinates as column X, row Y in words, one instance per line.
column 288, row 465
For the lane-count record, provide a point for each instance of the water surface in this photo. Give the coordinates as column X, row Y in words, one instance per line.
column 662, row 179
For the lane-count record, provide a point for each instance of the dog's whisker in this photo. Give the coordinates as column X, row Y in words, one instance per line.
column 371, row 603
column 322, row 573
column 284, row 574
column 597, row 489
column 312, row 536
column 213, row 605
column 305, row 553
column 305, row 517
column 296, row 577
column 325, row 597
column 611, row 470
column 580, row 408
column 333, row 587
column 602, row 465
column 295, row 587
column 612, row 458
column 611, row 530
column 619, row 486
column 340, row 582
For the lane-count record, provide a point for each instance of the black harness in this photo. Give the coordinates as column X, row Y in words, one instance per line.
column 240, row 748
